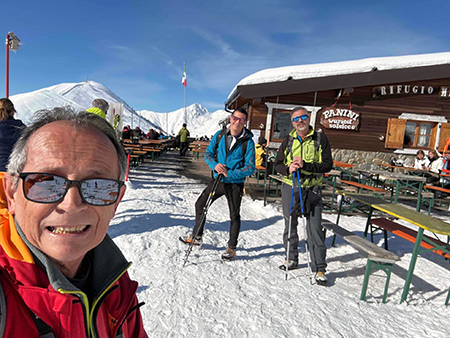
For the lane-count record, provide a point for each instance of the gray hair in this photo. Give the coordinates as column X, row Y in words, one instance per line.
column 81, row 120
column 101, row 104
column 297, row 109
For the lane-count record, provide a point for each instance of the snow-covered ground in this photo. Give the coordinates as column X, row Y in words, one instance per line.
column 249, row 297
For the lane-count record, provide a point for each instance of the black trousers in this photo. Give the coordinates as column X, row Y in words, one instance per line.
column 183, row 148
column 233, row 193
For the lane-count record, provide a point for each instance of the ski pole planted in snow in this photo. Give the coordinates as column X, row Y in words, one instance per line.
column 203, row 218
column 304, row 226
column 290, row 224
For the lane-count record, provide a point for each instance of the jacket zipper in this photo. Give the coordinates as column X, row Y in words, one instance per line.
column 89, row 313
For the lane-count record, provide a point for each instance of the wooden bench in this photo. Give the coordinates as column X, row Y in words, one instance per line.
column 433, row 187
column 134, row 159
column 258, row 171
column 377, row 258
column 408, row 234
column 377, row 192
column 278, row 179
column 430, row 198
column 198, row 152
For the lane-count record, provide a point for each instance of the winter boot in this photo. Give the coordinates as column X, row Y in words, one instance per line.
column 291, row 265
column 320, row 278
column 197, row 240
column 229, row 253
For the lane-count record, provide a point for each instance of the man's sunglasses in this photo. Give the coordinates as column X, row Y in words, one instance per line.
column 297, row 118
column 234, row 118
column 49, row 188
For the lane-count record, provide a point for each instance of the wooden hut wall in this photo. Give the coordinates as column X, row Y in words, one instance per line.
column 374, row 112
column 258, row 116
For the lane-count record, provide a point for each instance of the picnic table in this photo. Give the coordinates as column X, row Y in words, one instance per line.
column 343, row 167
column 406, row 170
column 420, row 220
column 402, row 181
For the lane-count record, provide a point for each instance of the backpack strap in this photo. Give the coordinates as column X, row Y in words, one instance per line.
column 289, row 146
column 45, row 331
column 244, row 150
column 2, row 310
column 219, row 137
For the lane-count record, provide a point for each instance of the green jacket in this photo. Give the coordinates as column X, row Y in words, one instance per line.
column 184, row 134
column 97, row 111
column 315, row 151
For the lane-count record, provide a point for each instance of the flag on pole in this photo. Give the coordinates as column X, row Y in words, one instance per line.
column 184, row 80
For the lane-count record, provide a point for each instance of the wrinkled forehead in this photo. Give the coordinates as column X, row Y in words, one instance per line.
column 66, row 131
column 61, row 137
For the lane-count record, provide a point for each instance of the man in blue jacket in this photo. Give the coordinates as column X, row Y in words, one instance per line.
column 231, row 153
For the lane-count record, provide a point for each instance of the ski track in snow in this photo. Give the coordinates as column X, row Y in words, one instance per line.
column 249, row 297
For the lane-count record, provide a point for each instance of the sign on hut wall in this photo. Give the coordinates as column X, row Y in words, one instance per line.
column 406, row 89
column 339, row 118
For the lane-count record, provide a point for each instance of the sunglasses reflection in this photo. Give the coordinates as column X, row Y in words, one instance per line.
column 47, row 188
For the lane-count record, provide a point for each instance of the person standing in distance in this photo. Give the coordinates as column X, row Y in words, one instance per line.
column 184, row 135
column 99, row 107
column 231, row 153
column 308, row 152
column 10, row 130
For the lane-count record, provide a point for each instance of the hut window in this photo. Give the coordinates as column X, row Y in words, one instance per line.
column 282, row 124
column 411, row 134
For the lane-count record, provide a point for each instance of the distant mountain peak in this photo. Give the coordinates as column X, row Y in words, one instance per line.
column 80, row 96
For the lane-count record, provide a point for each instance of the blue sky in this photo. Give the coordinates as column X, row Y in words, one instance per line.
column 137, row 48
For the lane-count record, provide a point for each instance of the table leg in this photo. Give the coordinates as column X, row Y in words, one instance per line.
column 412, row 265
column 334, row 192
column 419, row 200
column 369, row 216
column 397, row 190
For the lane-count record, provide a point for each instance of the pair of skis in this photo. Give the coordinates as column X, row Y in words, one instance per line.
column 203, row 218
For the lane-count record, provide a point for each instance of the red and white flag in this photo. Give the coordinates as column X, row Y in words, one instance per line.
column 184, row 80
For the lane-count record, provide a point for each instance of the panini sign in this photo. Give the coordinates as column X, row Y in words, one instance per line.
column 339, row 118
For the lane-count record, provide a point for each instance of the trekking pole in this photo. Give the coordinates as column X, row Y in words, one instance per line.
column 265, row 174
column 290, row 224
column 304, row 227
column 203, row 218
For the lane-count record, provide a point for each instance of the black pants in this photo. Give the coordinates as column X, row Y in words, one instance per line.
column 233, row 193
column 183, row 148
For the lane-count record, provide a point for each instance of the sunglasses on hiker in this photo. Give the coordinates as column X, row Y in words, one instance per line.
column 302, row 117
column 234, row 118
column 49, row 188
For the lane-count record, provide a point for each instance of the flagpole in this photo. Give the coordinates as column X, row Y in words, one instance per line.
column 185, row 112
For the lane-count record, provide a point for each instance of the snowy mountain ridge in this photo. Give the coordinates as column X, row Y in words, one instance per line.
column 80, row 96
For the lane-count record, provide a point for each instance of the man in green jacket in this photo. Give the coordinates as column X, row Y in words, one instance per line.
column 308, row 153
column 99, row 107
column 184, row 134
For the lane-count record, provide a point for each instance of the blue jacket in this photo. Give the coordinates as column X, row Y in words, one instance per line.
column 10, row 131
column 239, row 166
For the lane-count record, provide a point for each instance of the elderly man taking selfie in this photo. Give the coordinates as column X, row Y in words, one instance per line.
column 61, row 274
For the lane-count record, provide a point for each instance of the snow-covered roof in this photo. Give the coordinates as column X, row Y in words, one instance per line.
column 322, row 70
